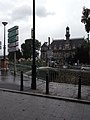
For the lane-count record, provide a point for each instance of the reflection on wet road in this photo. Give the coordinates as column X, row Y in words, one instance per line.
column 8, row 77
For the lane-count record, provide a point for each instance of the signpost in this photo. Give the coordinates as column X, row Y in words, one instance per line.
column 13, row 43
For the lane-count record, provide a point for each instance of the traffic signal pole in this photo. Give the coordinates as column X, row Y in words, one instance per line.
column 33, row 83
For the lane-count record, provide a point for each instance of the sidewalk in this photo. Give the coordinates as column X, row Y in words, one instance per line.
column 8, row 81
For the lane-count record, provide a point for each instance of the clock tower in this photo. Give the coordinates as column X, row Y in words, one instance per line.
column 67, row 33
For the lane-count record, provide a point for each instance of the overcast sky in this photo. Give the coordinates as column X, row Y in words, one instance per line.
column 52, row 17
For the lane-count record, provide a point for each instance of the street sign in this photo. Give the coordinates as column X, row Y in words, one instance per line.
column 13, row 34
column 13, row 49
column 13, row 29
column 13, row 39
column 13, row 44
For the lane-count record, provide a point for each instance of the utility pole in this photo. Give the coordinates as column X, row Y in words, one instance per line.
column 33, row 83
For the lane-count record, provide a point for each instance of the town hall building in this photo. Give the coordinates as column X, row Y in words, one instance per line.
column 61, row 49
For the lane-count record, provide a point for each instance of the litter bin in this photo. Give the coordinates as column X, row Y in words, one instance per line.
column 4, row 64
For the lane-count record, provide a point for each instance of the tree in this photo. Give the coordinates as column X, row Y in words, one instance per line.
column 82, row 54
column 18, row 55
column 86, row 20
column 26, row 48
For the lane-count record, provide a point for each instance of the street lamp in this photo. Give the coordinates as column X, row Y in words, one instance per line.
column 33, row 83
column 4, row 23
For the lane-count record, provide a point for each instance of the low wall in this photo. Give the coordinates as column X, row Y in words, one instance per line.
column 72, row 76
column 66, row 76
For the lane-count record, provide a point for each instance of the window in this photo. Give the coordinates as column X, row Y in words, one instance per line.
column 73, row 46
column 55, row 47
column 67, row 46
column 60, row 47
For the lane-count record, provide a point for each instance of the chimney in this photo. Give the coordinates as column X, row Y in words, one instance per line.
column 32, row 33
column 48, row 40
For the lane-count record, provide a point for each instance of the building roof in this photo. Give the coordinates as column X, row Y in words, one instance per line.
column 44, row 44
column 58, row 42
column 44, row 47
column 75, row 41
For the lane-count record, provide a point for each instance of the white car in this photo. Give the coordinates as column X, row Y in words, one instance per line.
column 64, row 66
column 85, row 67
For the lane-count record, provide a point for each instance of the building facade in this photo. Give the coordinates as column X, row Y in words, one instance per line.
column 62, row 49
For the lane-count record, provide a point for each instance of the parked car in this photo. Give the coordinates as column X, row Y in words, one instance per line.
column 65, row 66
column 85, row 67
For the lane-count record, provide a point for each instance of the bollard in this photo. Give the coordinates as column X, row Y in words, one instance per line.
column 47, row 84
column 21, row 86
column 79, row 88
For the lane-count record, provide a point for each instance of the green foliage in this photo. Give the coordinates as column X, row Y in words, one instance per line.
column 27, row 50
column 11, row 56
column 18, row 55
column 82, row 53
column 86, row 19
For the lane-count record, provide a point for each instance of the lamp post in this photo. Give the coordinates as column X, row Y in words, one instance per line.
column 4, row 23
column 33, row 83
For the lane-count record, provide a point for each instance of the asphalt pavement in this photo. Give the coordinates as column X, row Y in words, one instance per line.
column 16, row 106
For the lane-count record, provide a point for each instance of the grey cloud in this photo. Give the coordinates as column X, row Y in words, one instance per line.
column 21, row 12
column 42, row 12
column 25, row 11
